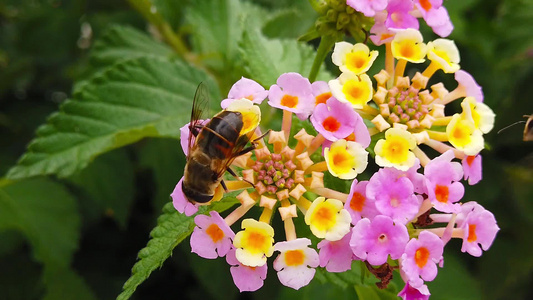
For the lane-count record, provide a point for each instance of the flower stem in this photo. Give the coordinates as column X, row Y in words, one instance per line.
column 389, row 63
column 326, row 44
column 147, row 9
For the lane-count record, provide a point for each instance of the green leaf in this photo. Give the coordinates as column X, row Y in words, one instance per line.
column 120, row 43
column 372, row 292
column 266, row 59
column 172, row 228
column 215, row 27
column 110, row 183
column 292, row 22
column 138, row 98
column 47, row 215
column 346, row 279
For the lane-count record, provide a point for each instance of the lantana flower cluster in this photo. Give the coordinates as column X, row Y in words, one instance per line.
column 403, row 216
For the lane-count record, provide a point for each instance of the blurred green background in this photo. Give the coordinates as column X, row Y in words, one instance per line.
column 103, row 215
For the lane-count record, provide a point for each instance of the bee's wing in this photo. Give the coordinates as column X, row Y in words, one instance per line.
column 199, row 104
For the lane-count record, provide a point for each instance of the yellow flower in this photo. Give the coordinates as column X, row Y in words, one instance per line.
column 328, row 219
column 353, row 89
column 482, row 115
column 408, row 45
column 395, row 149
column 346, row 159
column 254, row 243
column 353, row 58
column 445, row 54
column 463, row 135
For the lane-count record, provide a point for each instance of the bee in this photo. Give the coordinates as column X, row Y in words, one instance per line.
column 217, row 143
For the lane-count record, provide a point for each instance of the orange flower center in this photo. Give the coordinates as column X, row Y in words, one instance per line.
column 426, row 4
column 289, row 101
column 214, row 232
column 331, row 124
column 294, row 257
column 442, row 193
column 324, row 216
column 256, row 240
column 355, row 91
column 407, row 50
column 421, row 257
column 472, row 233
column 357, row 202
column 351, row 137
column 470, row 159
column 322, row 98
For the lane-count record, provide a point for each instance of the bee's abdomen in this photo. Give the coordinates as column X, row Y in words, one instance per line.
column 221, row 134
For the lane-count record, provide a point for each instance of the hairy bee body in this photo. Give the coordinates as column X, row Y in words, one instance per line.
column 211, row 154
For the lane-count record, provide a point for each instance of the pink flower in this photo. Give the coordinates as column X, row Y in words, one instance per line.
column 435, row 15
column 292, row 93
column 472, row 169
column 245, row 88
column 418, row 180
column 336, row 256
column 211, row 237
column 296, row 262
column 419, row 262
column 468, row 85
column 181, row 203
column 375, row 240
column 411, row 293
column 358, row 204
column 334, row 120
column 399, row 16
column 247, row 279
column 394, row 195
column 442, row 180
column 479, row 228
column 380, row 33
column 321, row 92
column 368, row 7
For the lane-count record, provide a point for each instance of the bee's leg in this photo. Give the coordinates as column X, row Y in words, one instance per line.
column 238, row 177
column 262, row 136
column 224, row 186
column 195, row 129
